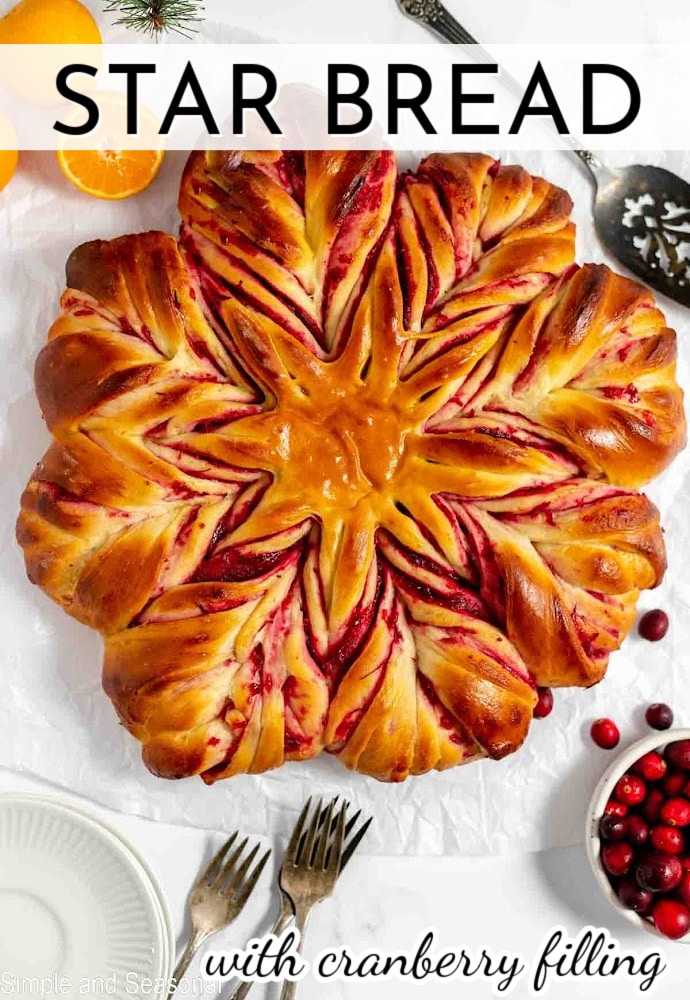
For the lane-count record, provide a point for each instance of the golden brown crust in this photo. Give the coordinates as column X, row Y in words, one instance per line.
column 348, row 466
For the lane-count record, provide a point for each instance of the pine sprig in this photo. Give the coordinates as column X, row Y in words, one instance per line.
column 154, row 17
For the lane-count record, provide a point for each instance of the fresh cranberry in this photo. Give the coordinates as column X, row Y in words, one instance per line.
column 544, row 704
column 676, row 812
column 612, row 828
column 617, row 858
column 674, row 783
column 678, row 754
column 671, row 918
column 685, row 862
column 605, row 733
column 659, row 716
column 635, row 898
column 652, row 766
column 668, row 838
column 653, row 625
column 683, row 890
column 613, row 808
column 630, row 789
column 657, row 871
column 636, row 830
column 651, row 807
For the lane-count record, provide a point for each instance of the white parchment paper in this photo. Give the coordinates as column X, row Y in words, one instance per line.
column 55, row 721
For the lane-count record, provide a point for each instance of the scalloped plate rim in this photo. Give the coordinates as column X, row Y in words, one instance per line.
column 83, row 816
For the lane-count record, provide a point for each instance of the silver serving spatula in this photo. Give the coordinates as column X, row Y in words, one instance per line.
column 641, row 213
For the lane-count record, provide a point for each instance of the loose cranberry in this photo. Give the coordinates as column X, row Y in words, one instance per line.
column 657, row 871
column 652, row 766
column 659, row 716
column 685, row 862
column 613, row 808
column 605, row 733
column 630, row 790
column 544, row 704
column 668, row 838
column 653, row 625
column 636, row 831
column 683, row 890
column 635, row 898
column 676, row 812
column 651, row 807
column 617, row 858
column 671, row 918
column 674, row 783
column 678, row 754
column 612, row 828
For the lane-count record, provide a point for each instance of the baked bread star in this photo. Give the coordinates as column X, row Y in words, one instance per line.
column 351, row 465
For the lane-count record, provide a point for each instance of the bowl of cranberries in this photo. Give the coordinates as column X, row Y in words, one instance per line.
column 638, row 834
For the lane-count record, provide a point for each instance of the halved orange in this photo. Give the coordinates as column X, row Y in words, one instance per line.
column 110, row 173
column 109, row 170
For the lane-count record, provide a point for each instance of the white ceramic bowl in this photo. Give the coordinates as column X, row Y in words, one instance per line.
column 602, row 793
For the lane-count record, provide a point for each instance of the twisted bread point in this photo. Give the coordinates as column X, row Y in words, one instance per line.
column 347, row 467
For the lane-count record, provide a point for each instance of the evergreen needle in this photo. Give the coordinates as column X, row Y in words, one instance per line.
column 154, row 17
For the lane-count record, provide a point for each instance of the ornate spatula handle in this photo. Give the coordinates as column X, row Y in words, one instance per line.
column 434, row 15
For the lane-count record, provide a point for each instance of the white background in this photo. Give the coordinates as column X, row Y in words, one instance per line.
column 508, row 902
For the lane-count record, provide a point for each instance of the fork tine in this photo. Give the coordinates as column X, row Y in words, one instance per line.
column 210, row 872
column 337, row 852
column 322, row 817
column 353, row 844
column 230, row 863
column 294, row 847
column 350, row 846
column 324, row 813
column 248, row 887
column 352, row 822
column 349, row 826
column 306, row 852
column 324, row 836
column 235, row 877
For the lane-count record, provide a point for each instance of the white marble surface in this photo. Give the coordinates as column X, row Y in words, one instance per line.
column 498, row 21
column 508, row 902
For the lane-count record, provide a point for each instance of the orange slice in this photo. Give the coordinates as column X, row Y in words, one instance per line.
column 110, row 173
column 109, row 169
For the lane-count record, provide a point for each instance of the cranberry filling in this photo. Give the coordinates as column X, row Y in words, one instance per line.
column 236, row 563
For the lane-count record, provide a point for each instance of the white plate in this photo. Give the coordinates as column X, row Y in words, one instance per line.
column 77, row 904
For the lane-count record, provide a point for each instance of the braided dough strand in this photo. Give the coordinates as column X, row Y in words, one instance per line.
column 350, row 465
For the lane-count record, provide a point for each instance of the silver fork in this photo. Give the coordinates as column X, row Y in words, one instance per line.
column 287, row 912
column 218, row 897
column 311, row 867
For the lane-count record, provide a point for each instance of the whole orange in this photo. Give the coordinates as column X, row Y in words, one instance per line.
column 8, row 164
column 31, row 74
column 38, row 22
column 8, row 157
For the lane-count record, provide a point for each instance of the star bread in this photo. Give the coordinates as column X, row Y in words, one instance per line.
column 352, row 464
